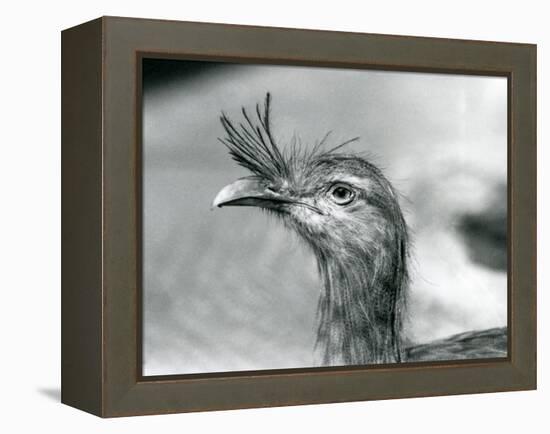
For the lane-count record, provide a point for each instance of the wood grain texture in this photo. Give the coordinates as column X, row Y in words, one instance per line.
column 81, row 305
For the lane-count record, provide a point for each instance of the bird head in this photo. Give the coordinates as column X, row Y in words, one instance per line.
column 348, row 213
column 340, row 203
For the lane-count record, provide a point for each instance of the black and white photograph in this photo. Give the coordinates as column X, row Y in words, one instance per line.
column 285, row 217
column 300, row 216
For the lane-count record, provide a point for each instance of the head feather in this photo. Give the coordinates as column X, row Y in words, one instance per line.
column 252, row 145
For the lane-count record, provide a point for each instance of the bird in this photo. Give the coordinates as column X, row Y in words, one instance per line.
column 348, row 214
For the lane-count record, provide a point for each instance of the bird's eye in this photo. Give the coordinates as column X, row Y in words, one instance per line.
column 341, row 194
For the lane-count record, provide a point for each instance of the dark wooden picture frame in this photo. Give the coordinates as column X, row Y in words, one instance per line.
column 101, row 228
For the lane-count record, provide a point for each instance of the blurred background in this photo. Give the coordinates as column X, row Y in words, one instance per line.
column 231, row 289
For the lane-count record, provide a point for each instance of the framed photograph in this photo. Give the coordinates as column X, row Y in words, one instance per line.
column 258, row 216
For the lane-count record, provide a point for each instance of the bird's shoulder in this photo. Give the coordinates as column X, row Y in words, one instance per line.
column 490, row 343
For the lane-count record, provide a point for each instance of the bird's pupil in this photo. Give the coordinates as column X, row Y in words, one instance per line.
column 341, row 193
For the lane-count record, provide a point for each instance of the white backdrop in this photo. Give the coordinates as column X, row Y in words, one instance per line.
column 30, row 217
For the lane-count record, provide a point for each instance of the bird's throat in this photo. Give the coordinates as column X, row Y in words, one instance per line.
column 360, row 310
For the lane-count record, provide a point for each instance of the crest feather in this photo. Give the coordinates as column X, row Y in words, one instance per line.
column 251, row 145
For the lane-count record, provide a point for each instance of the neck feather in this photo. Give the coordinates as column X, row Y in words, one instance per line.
column 362, row 302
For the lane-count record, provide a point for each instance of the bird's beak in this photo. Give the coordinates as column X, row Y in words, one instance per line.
column 249, row 192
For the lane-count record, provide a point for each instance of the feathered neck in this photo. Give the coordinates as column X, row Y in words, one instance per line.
column 364, row 270
column 362, row 303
